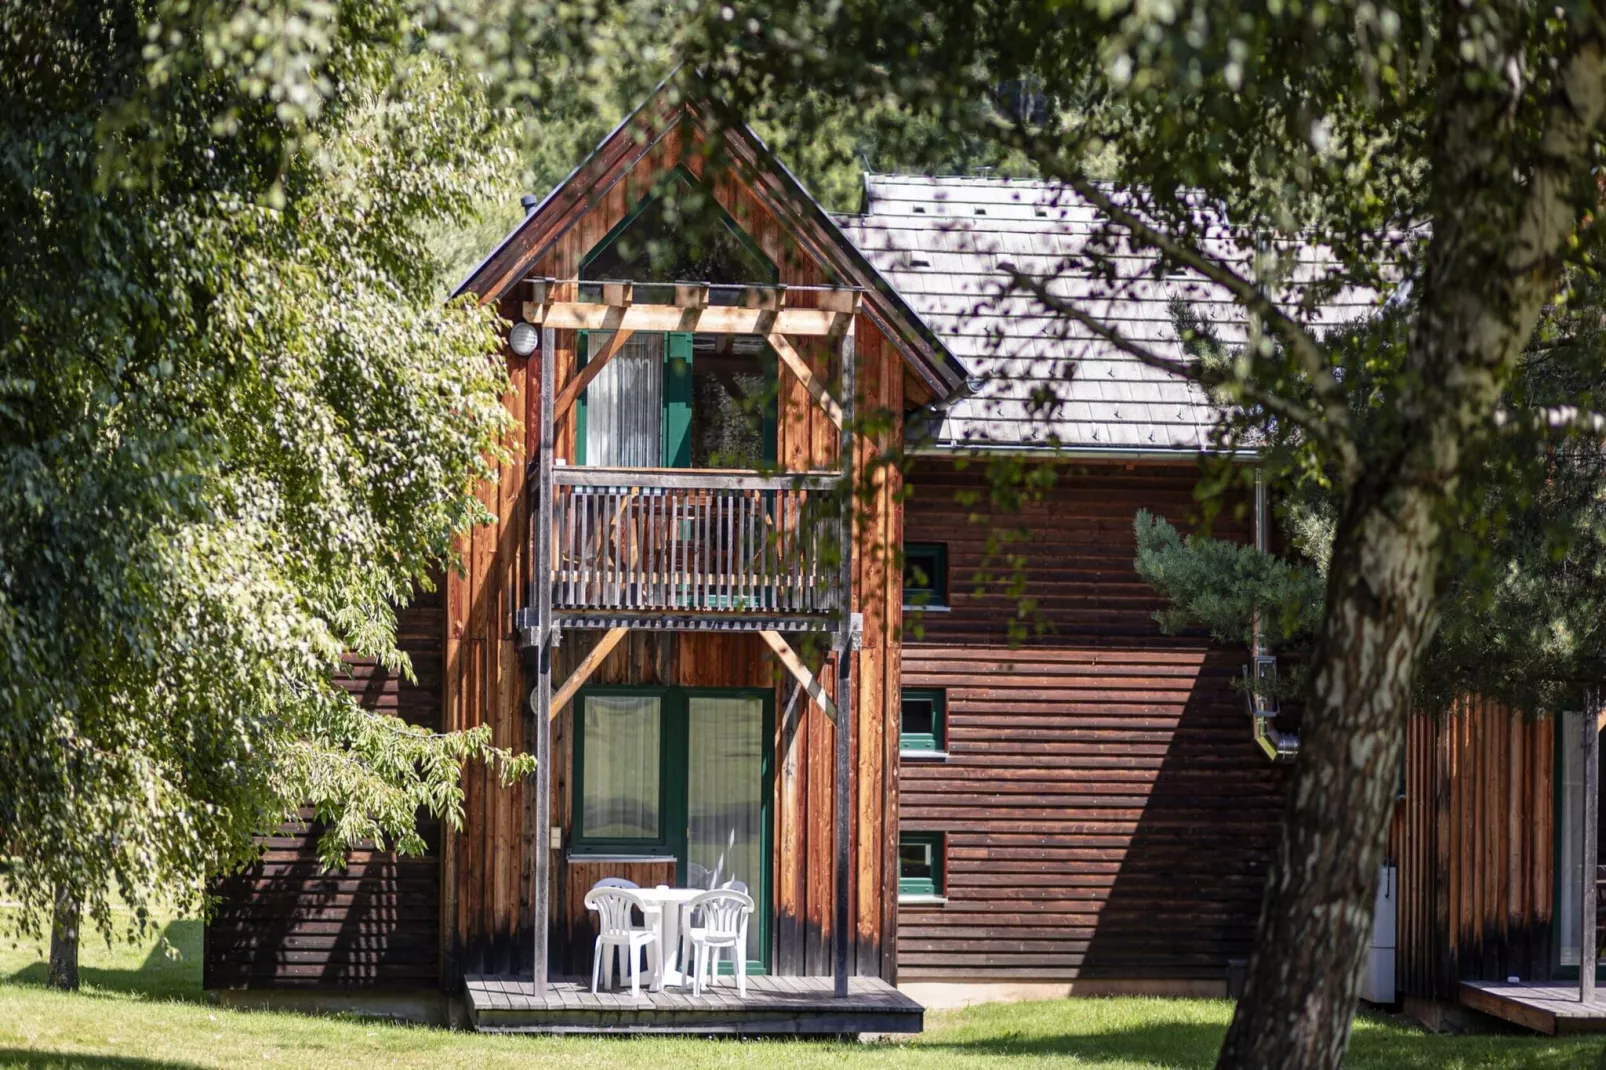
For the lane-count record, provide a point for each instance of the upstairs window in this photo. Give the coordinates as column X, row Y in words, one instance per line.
column 921, row 728
column 925, row 574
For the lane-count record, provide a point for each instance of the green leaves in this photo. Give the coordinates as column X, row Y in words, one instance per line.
column 238, row 430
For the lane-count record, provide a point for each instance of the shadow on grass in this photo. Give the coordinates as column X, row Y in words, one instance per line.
column 1182, row 1045
column 1193, row 1046
column 55, row 1060
column 158, row 977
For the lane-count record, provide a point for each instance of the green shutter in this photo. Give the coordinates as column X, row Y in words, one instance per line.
column 582, row 340
column 677, row 400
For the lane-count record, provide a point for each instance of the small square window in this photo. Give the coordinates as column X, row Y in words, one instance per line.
column 920, row 863
column 922, row 726
column 925, row 574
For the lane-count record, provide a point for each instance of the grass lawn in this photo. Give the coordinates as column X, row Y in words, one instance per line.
column 141, row 1010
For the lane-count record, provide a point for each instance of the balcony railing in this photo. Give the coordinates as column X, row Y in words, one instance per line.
column 694, row 542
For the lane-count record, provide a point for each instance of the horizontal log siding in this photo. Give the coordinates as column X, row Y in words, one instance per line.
column 1106, row 815
column 285, row 922
column 1474, row 840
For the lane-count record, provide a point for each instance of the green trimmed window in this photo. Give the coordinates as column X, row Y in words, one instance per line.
column 920, row 863
column 922, row 720
column 925, row 574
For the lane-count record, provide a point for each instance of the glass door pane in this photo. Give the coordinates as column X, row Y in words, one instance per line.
column 725, row 799
column 624, row 403
column 621, row 798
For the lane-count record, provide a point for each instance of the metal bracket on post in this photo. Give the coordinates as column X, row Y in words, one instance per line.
column 856, row 632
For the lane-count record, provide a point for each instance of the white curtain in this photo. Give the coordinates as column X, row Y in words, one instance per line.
column 624, row 403
column 622, row 740
column 725, row 795
column 1570, row 841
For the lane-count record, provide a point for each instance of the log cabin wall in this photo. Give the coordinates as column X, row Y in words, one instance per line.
column 489, row 865
column 1104, row 812
column 287, row 923
column 1474, row 842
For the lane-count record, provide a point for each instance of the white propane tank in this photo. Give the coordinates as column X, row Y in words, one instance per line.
column 1377, row 984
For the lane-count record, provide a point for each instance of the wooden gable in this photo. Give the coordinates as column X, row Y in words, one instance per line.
column 675, row 131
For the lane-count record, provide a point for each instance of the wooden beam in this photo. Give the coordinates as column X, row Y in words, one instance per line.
column 1591, row 816
column 583, row 671
column 713, row 319
column 842, row 832
column 592, row 369
column 541, row 584
column 795, row 666
column 807, row 377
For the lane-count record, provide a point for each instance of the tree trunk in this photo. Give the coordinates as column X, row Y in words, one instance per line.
column 64, row 942
column 1492, row 260
column 1303, row 979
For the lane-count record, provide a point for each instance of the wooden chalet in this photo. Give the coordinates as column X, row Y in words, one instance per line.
column 725, row 675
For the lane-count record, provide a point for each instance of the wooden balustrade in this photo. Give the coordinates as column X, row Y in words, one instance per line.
column 694, row 542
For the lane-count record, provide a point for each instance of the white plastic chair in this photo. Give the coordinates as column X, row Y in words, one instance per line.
column 616, row 882
column 617, row 932
column 723, row 914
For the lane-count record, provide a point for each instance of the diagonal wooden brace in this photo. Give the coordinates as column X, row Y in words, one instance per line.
column 583, row 671
column 592, row 369
column 806, row 376
column 795, row 665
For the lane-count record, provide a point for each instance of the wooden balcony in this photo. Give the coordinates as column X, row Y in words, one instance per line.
column 679, row 549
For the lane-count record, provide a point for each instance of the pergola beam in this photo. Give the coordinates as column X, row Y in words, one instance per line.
column 805, row 677
column 713, row 319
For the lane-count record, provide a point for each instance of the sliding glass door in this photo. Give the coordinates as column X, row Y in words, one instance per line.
column 682, row 773
column 725, row 828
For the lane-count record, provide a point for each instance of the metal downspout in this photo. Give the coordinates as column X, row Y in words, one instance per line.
column 1278, row 745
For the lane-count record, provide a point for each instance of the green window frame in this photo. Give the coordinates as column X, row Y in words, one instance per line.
column 925, row 574
column 925, row 703
column 673, row 776
column 674, row 435
column 920, row 863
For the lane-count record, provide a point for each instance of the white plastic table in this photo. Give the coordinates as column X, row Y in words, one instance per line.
column 670, row 899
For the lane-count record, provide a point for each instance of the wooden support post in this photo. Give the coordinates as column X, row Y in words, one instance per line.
column 1586, row 917
column 583, row 671
column 844, row 674
column 541, row 581
column 593, row 368
column 810, row 381
column 800, row 671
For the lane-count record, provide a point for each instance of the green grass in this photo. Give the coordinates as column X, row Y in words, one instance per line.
column 142, row 1010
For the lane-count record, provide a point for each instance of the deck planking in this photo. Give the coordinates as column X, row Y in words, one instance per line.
column 773, row 1006
column 1553, row 1009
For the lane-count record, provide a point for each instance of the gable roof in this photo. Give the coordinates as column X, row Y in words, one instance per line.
column 941, row 242
column 678, row 103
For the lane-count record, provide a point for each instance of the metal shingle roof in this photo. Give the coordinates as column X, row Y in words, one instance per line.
column 1041, row 379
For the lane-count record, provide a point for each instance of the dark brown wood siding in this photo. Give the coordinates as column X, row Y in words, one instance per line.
column 287, row 922
column 1474, row 840
column 1105, row 813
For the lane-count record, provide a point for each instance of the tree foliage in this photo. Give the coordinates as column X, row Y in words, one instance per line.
column 237, row 430
column 1523, row 619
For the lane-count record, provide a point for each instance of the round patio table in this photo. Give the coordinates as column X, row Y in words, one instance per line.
column 671, row 900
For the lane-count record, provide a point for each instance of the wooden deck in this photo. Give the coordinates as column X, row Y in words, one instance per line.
column 787, row 1006
column 1552, row 1009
